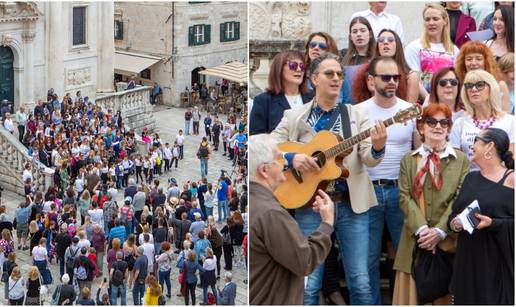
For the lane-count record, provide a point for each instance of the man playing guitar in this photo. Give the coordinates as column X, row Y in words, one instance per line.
column 354, row 196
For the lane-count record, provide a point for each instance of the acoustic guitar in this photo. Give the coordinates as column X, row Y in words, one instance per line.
column 299, row 188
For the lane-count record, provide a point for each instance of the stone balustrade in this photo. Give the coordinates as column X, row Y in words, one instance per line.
column 134, row 105
column 13, row 157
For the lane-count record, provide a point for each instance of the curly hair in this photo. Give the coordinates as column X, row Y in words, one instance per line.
column 476, row 47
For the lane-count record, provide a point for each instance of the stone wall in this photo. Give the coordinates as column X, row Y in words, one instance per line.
column 13, row 157
column 134, row 105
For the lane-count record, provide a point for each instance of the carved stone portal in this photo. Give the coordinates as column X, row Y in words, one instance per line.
column 279, row 20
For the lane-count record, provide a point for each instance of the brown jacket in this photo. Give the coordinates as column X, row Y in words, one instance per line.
column 280, row 256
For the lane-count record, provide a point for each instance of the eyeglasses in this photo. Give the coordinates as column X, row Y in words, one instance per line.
column 481, row 138
column 294, row 65
column 284, row 167
column 432, row 122
column 387, row 78
column 330, row 74
column 384, row 39
column 444, row 82
column 321, row 45
column 480, row 85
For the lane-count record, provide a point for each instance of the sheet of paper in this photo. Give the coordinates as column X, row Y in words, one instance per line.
column 463, row 217
column 481, row 35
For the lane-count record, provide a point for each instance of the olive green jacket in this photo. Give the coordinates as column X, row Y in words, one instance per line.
column 438, row 203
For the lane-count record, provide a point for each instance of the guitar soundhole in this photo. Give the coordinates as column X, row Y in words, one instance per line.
column 321, row 159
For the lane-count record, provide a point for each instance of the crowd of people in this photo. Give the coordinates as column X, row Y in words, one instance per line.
column 407, row 185
column 80, row 224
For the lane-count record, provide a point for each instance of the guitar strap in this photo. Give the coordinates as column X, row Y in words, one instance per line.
column 344, row 119
column 332, row 120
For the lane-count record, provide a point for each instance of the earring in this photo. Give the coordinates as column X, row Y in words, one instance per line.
column 488, row 155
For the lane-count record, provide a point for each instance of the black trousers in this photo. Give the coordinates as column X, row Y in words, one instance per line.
column 190, row 289
column 21, row 132
column 228, row 257
column 139, row 173
column 218, row 253
column 208, row 132
column 167, row 164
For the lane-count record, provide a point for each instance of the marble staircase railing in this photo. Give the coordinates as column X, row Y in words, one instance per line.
column 13, row 157
column 134, row 105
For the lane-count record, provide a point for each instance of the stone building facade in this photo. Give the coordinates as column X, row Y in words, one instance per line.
column 277, row 26
column 178, row 39
column 58, row 45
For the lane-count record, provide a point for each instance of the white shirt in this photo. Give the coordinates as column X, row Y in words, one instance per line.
column 180, row 139
column 382, row 21
column 148, row 250
column 140, row 238
column 39, row 253
column 97, row 216
column 464, row 132
column 210, row 264
column 399, row 140
column 167, row 153
column 294, row 101
column 26, row 175
column 8, row 125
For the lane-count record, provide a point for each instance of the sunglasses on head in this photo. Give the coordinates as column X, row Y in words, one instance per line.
column 294, row 65
column 444, row 82
column 387, row 78
column 321, row 45
column 330, row 74
column 481, row 138
column 480, row 85
column 432, row 122
column 383, row 39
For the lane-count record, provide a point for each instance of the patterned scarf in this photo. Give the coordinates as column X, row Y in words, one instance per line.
column 430, row 164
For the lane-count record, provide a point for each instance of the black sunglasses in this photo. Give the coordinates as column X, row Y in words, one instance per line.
column 481, row 138
column 294, row 65
column 321, row 45
column 444, row 82
column 387, row 78
column 480, row 85
column 432, row 122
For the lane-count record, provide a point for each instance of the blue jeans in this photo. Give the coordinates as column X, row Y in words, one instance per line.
column 209, row 211
column 223, row 207
column 138, row 293
column 204, row 167
column 114, row 294
column 187, row 127
column 119, row 180
column 164, row 278
column 352, row 234
column 386, row 212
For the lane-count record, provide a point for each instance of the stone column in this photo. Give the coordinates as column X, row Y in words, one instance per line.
column 57, row 43
column 105, row 57
column 28, row 73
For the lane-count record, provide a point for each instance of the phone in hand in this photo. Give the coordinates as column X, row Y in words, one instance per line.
column 472, row 218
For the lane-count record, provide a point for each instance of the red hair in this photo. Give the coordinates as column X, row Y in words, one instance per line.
column 489, row 60
column 430, row 111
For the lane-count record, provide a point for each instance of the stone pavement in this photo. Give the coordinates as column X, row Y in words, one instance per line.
column 168, row 122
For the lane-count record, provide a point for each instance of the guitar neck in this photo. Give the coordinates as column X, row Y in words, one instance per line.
column 352, row 141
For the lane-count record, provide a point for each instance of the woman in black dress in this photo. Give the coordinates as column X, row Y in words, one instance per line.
column 483, row 273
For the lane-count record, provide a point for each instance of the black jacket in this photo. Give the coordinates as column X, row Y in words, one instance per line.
column 268, row 110
column 67, row 292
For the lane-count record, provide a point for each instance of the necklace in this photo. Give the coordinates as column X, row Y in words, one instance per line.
column 484, row 124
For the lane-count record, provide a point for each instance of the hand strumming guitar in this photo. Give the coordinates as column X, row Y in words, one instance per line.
column 378, row 136
column 305, row 163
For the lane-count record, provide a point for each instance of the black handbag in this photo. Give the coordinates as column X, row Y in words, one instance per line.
column 432, row 273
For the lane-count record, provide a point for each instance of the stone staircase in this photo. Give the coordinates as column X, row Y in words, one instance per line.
column 13, row 157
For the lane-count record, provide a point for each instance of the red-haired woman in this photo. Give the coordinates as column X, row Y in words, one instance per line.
column 475, row 55
column 434, row 172
column 285, row 91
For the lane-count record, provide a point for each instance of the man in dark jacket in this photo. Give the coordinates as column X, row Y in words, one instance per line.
column 181, row 227
column 63, row 240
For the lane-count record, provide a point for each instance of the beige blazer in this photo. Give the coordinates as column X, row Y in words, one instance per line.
column 294, row 128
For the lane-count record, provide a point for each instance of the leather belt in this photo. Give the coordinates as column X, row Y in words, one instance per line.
column 339, row 197
column 386, row 182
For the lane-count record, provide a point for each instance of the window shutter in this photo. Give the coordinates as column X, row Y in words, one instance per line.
column 223, row 32
column 121, row 30
column 207, row 34
column 237, row 30
column 191, row 38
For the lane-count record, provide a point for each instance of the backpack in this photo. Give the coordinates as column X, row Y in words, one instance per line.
column 69, row 260
column 80, row 272
column 118, row 276
column 119, row 170
column 203, row 151
column 226, row 239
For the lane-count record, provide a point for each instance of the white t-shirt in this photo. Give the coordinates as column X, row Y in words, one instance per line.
column 455, row 115
column 148, row 250
column 97, row 216
column 399, row 138
column 464, row 131
column 294, row 101
column 180, row 139
column 26, row 175
column 428, row 61
column 39, row 253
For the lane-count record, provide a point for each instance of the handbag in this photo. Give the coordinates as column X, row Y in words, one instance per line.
column 181, row 277
column 432, row 273
column 56, row 296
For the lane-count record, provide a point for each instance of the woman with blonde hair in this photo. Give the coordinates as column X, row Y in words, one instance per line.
column 15, row 288
column 481, row 97
column 208, row 279
column 435, row 49
column 33, row 287
column 506, row 66
column 35, row 235
column 84, row 204
column 153, row 291
column 475, row 55
column 129, row 249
